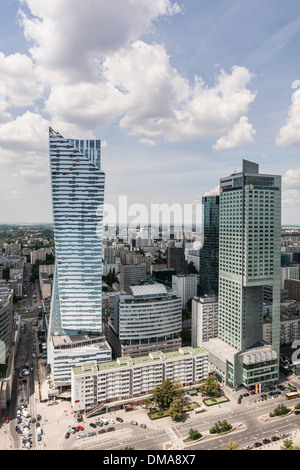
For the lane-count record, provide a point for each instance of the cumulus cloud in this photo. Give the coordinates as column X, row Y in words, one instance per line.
column 140, row 89
column 69, row 36
column 242, row 134
column 213, row 192
column 26, row 132
column 100, row 72
column 291, row 187
column 289, row 134
column 21, row 84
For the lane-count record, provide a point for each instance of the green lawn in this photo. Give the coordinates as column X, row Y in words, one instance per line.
column 215, row 401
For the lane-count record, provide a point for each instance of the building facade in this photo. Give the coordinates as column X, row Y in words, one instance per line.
column 205, row 311
column 186, row 287
column 209, row 253
column 131, row 274
column 150, row 319
column 249, row 259
column 77, row 183
column 176, row 259
column 126, row 378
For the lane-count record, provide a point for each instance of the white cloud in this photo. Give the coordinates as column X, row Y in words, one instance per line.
column 69, row 35
column 21, row 85
column 149, row 142
column 240, row 135
column 291, row 188
column 100, row 72
column 27, row 132
column 213, row 192
column 289, row 134
column 12, row 195
column 142, row 91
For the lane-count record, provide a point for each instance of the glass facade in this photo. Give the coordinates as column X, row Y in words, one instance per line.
column 209, row 253
column 249, row 250
column 77, row 197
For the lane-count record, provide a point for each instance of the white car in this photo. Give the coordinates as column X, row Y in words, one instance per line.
column 80, row 436
column 111, row 421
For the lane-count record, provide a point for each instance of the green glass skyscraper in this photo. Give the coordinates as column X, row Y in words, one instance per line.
column 249, row 259
column 209, row 253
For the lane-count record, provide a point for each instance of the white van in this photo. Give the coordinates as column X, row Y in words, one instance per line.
column 104, row 421
column 200, row 410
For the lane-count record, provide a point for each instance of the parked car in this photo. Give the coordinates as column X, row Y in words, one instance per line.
column 120, row 420
column 101, row 431
column 7, row 419
column 67, row 435
column 110, row 429
column 93, row 425
column 134, row 423
column 143, row 426
column 80, row 428
column 80, row 436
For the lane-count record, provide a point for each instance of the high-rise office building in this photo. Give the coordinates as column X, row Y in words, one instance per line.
column 77, row 197
column 176, row 259
column 209, row 253
column 249, row 259
column 131, row 274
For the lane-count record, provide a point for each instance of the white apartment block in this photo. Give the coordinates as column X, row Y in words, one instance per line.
column 289, row 331
column 126, row 377
column 204, row 319
column 66, row 352
column 288, row 272
column 186, row 287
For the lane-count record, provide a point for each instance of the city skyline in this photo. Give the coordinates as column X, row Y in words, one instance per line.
column 178, row 92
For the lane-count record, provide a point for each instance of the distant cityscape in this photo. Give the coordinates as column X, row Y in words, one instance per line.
column 117, row 311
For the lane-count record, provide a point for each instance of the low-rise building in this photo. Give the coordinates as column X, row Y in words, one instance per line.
column 93, row 384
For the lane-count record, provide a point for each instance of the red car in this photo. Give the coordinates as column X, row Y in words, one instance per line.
column 80, row 428
column 7, row 419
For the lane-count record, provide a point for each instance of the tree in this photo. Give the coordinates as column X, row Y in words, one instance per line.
column 163, row 394
column 220, row 427
column 176, row 408
column 192, row 268
column 170, row 395
column 280, row 410
column 232, row 445
column 194, row 434
column 211, row 386
column 178, row 391
column 289, row 445
column 148, row 402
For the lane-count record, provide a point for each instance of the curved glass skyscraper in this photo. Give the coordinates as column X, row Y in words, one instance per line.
column 77, row 197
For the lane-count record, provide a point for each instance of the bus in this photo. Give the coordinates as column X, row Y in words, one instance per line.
column 291, row 395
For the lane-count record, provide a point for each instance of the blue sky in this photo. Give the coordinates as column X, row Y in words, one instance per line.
column 179, row 92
